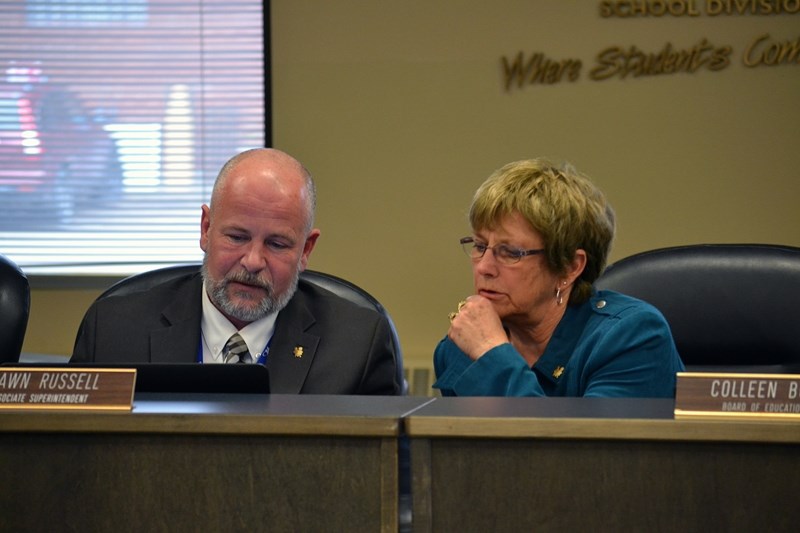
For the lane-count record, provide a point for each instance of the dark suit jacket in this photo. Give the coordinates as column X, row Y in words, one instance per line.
column 346, row 349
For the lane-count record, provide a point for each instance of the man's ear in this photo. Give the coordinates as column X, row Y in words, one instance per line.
column 205, row 223
column 308, row 246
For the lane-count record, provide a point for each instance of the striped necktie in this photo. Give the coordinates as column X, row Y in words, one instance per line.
column 235, row 350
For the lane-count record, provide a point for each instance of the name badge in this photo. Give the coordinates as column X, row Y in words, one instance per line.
column 725, row 395
column 59, row 388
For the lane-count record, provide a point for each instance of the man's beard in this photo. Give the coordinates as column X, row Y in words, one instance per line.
column 270, row 303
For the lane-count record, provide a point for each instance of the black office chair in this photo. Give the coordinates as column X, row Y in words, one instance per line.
column 336, row 285
column 730, row 306
column 15, row 306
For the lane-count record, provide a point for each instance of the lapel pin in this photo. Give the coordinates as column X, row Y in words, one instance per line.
column 298, row 351
column 558, row 371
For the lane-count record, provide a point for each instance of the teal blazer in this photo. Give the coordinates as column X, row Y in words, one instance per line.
column 613, row 345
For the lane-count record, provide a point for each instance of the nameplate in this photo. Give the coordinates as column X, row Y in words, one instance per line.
column 725, row 395
column 59, row 388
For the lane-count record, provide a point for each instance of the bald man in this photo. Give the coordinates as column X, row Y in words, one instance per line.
column 248, row 304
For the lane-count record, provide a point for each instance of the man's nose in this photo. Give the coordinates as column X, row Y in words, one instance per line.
column 255, row 258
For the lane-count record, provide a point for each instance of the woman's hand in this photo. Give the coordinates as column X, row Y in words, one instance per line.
column 476, row 327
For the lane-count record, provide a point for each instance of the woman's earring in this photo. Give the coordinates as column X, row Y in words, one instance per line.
column 559, row 296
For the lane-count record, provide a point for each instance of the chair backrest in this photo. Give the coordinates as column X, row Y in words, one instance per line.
column 148, row 279
column 15, row 306
column 336, row 285
column 728, row 305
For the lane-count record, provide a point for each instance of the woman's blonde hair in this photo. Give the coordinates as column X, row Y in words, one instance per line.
column 561, row 204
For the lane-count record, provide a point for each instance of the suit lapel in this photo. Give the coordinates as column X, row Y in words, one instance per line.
column 179, row 340
column 292, row 349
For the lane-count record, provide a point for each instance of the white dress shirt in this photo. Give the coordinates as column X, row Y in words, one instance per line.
column 215, row 330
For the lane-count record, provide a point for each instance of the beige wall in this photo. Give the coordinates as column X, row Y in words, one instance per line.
column 400, row 110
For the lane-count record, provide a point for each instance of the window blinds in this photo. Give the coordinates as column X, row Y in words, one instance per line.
column 115, row 117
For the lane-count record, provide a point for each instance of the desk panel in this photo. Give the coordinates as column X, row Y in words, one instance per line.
column 580, row 464
column 219, row 463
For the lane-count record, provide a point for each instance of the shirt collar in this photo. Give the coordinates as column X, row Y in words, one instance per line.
column 216, row 329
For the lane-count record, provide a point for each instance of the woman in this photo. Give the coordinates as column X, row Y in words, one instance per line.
column 535, row 325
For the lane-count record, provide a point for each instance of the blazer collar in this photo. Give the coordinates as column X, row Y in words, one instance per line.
column 562, row 344
column 291, row 352
column 293, row 348
column 179, row 339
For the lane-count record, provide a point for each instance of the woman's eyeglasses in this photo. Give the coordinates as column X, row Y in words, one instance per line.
column 503, row 254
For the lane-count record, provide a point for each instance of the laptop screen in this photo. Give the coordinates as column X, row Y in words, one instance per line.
column 184, row 377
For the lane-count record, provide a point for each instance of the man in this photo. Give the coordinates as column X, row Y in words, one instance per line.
column 257, row 235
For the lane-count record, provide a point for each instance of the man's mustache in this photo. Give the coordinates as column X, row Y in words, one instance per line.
column 249, row 279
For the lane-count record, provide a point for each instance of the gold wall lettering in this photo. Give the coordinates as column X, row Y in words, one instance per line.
column 539, row 69
column 696, row 8
column 752, row 7
column 764, row 51
column 654, row 8
column 615, row 61
column 620, row 62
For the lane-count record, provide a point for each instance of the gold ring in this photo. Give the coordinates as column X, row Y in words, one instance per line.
column 452, row 316
column 461, row 304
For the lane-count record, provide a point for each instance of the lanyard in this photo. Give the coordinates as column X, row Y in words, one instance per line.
column 262, row 359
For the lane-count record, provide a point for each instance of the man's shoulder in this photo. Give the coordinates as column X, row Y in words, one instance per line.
column 320, row 299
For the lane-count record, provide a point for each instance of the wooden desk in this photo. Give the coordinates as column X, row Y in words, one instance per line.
column 205, row 463
column 579, row 464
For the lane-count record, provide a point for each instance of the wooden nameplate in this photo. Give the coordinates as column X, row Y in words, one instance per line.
column 62, row 388
column 729, row 395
